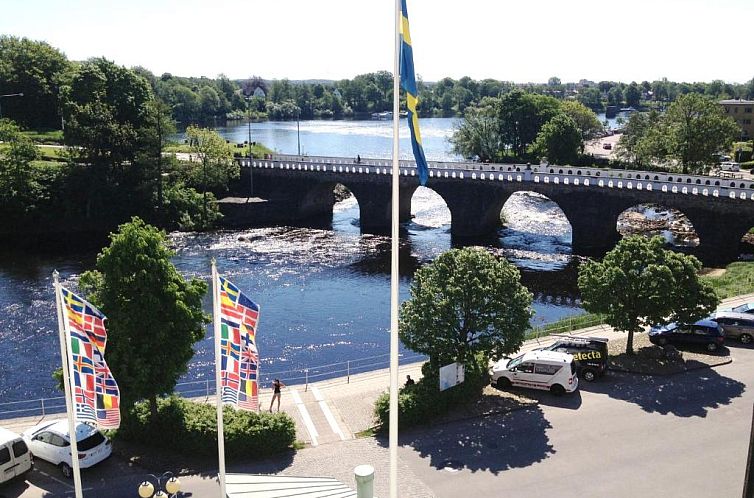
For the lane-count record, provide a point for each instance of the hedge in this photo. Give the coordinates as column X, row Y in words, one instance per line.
column 186, row 426
column 424, row 402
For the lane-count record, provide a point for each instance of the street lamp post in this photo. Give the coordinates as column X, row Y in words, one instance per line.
column 9, row 95
column 251, row 177
column 172, row 486
column 298, row 131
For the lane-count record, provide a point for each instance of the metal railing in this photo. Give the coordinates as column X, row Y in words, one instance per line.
column 206, row 387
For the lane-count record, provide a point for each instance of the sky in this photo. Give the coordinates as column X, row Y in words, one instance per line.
column 521, row 41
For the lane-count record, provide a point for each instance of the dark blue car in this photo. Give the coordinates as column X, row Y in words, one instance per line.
column 706, row 333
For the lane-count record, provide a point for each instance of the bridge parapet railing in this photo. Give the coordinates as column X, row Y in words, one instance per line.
column 667, row 182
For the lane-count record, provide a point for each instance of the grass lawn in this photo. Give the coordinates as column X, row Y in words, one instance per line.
column 45, row 137
column 737, row 279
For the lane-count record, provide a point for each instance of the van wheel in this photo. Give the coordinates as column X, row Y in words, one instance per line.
column 745, row 339
column 588, row 375
column 66, row 470
column 712, row 347
column 557, row 390
column 503, row 383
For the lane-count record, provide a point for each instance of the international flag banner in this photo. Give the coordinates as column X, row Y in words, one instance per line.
column 239, row 357
column 95, row 392
column 408, row 83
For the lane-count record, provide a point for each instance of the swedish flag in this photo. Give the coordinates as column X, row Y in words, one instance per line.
column 408, row 82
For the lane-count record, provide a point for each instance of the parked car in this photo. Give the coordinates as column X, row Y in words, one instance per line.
column 51, row 441
column 548, row 370
column 747, row 308
column 735, row 325
column 590, row 354
column 607, row 146
column 705, row 333
column 15, row 457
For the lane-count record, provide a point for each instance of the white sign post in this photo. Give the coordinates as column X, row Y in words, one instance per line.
column 451, row 375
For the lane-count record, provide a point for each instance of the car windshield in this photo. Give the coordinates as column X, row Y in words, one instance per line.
column 743, row 308
column 514, row 362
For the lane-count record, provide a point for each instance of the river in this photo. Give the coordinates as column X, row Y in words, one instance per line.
column 324, row 293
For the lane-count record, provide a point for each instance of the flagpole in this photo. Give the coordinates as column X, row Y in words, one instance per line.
column 394, row 282
column 65, row 351
column 218, row 379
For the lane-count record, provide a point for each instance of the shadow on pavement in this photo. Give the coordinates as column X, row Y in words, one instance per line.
column 492, row 444
column 689, row 394
column 570, row 401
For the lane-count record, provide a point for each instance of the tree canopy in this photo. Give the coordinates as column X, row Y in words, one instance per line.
column 154, row 315
column 640, row 283
column 559, row 140
column 465, row 303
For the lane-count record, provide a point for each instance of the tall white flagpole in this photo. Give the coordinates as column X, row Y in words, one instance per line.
column 394, row 281
column 65, row 351
column 218, row 379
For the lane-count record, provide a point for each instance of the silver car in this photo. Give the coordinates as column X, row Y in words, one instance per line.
column 736, row 325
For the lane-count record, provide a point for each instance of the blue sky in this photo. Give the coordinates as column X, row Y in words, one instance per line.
column 531, row 40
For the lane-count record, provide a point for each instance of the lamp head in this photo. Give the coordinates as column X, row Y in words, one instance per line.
column 146, row 489
column 173, row 485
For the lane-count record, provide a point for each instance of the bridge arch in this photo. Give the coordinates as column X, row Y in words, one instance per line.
column 536, row 230
column 656, row 219
column 429, row 208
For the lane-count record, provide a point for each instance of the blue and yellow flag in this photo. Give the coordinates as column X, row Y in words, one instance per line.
column 408, row 82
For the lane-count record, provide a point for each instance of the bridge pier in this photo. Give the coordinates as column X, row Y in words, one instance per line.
column 375, row 205
column 720, row 234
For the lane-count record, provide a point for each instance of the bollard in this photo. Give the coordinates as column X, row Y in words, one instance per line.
column 43, row 407
column 306, row 379
column 364, row 475
column 348, row 370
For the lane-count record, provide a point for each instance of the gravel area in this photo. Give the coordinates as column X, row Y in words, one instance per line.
column 652, row 360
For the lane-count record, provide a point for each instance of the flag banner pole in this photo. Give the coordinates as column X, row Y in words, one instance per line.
column 218, row 380
column 394, row 281
column 65, row 346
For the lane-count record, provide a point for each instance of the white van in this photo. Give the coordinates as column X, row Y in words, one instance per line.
column 548, row 370
column 730, row 166
column 15, row 457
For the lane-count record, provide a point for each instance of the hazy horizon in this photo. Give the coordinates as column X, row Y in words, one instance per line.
column 681, row 40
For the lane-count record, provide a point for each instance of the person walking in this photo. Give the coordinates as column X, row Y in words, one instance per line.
column 276, row 385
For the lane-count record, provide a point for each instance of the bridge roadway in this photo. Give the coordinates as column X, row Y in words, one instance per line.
column 721, row 210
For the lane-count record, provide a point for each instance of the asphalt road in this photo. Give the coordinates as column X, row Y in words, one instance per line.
column 624, row 436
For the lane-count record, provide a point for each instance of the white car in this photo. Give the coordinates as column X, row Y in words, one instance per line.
column 50, row 441
column 540, row 369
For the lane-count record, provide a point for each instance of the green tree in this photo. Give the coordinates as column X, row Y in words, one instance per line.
column 218, row 166
column 643, row 142
column 154, row 315
column 521, row 116
column 559, row 140
column 632, row 94
column 586, row 120
column 640, row 283
column 19, row 189
column 37, row 70
column 478, row 135
column 591, row 97
column 696, row 127
column 466, row 306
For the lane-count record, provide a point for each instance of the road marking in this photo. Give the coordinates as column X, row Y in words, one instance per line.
column 305, row 416
column 62, row 482
column 328, row 414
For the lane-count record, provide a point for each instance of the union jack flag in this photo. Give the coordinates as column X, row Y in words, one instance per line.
column 239, row 357
column 95, row 392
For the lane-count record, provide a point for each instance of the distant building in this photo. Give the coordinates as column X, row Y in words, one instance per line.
column 742, row 111
column 258, row 92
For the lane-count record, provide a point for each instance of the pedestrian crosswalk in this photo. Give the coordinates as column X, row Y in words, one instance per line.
column 320, row 423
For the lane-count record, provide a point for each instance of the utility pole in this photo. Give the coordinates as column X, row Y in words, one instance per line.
column 298, row 131
column 251, row 176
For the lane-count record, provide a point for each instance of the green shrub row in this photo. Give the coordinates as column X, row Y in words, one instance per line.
column 424, row 402
column 189, row 427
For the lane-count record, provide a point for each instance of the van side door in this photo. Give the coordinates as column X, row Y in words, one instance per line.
column 523, row 374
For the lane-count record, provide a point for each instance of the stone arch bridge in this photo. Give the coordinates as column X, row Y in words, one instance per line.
column 721, row 210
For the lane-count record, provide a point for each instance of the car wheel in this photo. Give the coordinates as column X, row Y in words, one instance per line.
column 588, row 375
column 662, row 341
column 711, row 347
column 66, row 470
column 745, row 339
column 503, row 383
column 557, row 389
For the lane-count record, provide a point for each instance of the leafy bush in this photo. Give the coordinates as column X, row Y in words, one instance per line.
column 424, row 402
column 189, row 427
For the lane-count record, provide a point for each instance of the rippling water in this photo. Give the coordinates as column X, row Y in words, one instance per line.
column 324, row 293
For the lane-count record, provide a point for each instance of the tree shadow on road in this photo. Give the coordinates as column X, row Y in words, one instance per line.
column 689, row 394
column 491, row 444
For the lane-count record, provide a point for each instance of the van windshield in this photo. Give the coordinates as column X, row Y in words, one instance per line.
column 514, row 362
